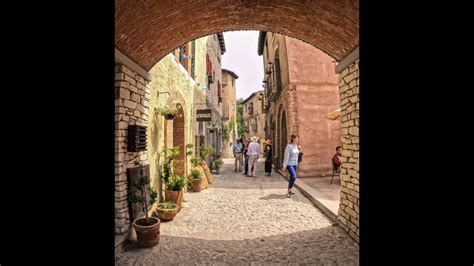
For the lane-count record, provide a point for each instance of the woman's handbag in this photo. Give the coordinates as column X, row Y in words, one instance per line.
column 300, row 157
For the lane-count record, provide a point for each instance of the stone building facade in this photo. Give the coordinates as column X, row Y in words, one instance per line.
column 210, row 92
column 229, row 111
column 301, row 86
column 254, row 117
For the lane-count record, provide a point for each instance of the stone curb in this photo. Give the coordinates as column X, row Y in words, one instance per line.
column 309, row 192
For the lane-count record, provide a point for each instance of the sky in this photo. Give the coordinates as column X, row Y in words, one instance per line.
column 241, row 57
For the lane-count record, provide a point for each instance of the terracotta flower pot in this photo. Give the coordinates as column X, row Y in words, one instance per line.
column 147, row 235
column 196, row 185
column 175, row 197
column 166, row 214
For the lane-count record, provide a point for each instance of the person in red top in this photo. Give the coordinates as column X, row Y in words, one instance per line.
column 337, row 158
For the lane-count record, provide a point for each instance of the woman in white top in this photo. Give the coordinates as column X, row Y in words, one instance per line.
column 290, row 161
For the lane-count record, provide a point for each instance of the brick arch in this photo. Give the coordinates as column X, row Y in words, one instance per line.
column 146, row 31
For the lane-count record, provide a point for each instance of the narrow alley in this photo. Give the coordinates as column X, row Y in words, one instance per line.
column 241, row 219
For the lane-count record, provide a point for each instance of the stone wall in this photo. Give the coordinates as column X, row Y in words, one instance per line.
column 214, row 52
column 229, row 111
column 275, row 47
column 257, row 117
column 348, row 216
column 277, row 108
column 131, row 108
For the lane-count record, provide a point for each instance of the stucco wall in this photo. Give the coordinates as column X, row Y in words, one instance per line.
column 168, row 76
column 312, row 73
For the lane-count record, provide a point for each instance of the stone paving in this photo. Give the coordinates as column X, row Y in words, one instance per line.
column 246, row 221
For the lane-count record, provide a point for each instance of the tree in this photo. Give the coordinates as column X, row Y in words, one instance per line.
column 240, row 118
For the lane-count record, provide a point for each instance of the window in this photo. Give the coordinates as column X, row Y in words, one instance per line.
column 254, row 124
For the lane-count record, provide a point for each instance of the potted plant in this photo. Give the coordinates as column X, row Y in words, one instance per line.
column 196, row 180
column 148, row 228
column 166, row 211
column 169, row 113
column 169, row 155
column 196, row 160
column 175, row 190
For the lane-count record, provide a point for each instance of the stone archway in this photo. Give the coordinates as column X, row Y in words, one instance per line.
column 179, row 140
column 140, row 28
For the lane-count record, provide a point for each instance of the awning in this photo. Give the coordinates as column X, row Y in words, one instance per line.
column 333, row 115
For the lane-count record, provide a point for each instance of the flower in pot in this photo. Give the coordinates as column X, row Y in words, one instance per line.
column 175, row 190
column 169, row 113
column 195, row 161
column 173, row 185
column 196, row 180
column 148, row 228
column 166, row 211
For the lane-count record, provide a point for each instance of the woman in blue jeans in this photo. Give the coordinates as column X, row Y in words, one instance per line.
column 290, row 161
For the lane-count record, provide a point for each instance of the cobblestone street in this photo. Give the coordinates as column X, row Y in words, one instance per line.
column 249, row 220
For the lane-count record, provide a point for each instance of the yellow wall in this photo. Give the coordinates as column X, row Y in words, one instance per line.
column 167, row 76
column 170, row 76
